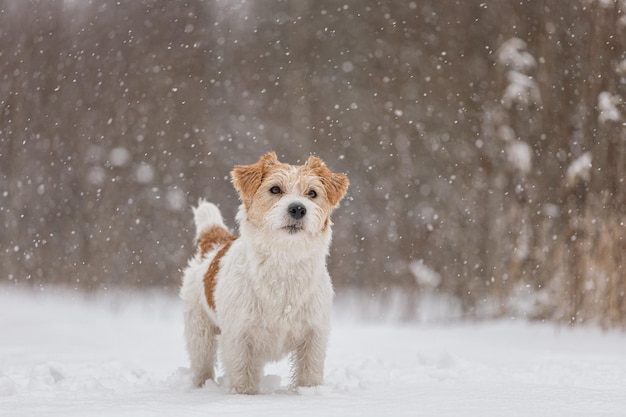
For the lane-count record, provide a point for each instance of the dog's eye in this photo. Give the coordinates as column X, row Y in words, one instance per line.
column 312, row 194
column 276, row 190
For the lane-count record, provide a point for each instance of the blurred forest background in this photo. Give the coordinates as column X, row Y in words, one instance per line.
column 485, row 142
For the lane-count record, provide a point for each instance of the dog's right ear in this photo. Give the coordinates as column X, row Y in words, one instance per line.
column 248, row 178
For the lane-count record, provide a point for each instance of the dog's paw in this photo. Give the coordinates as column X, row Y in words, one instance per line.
column 315, row 390
column 245, row 389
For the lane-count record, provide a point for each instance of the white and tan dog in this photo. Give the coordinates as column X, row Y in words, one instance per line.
column 267, row 292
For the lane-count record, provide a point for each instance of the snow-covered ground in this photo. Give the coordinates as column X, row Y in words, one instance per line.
column 64, row 354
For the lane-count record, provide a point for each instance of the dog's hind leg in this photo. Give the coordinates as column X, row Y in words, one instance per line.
column 201, row 336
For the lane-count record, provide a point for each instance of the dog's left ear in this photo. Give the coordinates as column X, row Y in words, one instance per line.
column 336, row 184
column 248, row 178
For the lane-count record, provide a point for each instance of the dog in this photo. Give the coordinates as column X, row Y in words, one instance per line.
column 265, row 293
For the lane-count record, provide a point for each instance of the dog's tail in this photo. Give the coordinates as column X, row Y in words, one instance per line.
column 207, row 217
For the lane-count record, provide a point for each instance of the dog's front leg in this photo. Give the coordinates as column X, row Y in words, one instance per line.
column 242, row 366
column 308, row 359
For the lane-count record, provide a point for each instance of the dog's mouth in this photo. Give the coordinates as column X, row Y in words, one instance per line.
column 292, row 229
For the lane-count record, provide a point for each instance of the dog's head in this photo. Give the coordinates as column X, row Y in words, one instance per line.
column 289, row 198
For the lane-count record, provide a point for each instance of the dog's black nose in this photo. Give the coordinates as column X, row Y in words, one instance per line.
column 296, row 211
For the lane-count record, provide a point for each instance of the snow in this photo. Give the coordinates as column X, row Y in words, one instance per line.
column 144, row 173
column 424, row 275
column 522, row 89
column 119, row 157
column 607, row 105
column 514, row 55
column 65, row 354
column 579, row 169
column 520, row 156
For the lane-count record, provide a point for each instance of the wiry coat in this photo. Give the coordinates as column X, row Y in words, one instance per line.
column 268, row 291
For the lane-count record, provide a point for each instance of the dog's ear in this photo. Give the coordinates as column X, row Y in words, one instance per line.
column 248, row 178
column 314, row 163
column 336, row 187
column 336, row 184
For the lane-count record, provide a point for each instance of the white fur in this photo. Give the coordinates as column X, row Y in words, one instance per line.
column 278, row 216
column 201, row 340
column 272, row 298
column 206, row 215
column 199, row 318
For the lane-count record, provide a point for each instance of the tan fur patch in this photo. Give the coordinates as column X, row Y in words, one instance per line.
column 248, row 178
column 209, row 240
column 211, row 273
column 212, row 238
column 335, row 184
